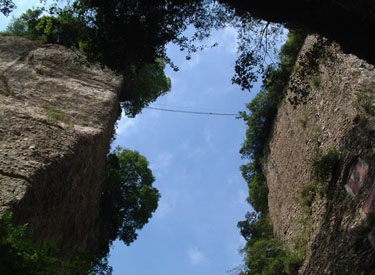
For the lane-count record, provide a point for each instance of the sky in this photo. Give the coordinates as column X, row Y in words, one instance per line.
column 195, row 160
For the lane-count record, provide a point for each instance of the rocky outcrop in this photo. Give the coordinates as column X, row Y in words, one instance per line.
column 56, row 120
column 337, row 115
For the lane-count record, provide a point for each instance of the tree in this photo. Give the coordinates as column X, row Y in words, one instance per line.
column 7, row 6
column 125, row 32
column 25, row 25
column 128, row 198
column 143, row 84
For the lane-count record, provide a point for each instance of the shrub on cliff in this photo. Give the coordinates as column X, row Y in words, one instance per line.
column 20, row 255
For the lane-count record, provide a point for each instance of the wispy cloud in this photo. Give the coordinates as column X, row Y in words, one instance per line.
column 193, row 62
column 241, row 197
column 162, row 162
column 196, row 153
column 167, row 204
column 195, row 256
column 228, row 39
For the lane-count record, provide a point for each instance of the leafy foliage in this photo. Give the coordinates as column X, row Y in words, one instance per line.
column 263, row 253
column 61, row 26
column 263, row 110
column 20, row 255
column 309, row 193
column 365, row 100
column 255, row 227
column 128, row 198
column 7, row 6
column 324, row 166
column 308, row 76
column 142, row 85
column 257, row 42
column 127, row 31
column 127, row 203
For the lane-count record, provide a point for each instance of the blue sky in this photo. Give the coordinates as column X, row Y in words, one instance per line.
column 195, row 161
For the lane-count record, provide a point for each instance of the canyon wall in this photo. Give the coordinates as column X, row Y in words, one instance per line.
column 57, row 115
column 335, row 117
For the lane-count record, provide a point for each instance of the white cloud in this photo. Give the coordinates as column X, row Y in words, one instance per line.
column 229, row 38
column 126, row 125
column 195, row 256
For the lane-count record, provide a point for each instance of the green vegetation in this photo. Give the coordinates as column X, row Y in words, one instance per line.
column 128, row 198
column 54, row 115
column 324, row 166
column 263, row 110
column 309, row 193
column 7, row 6
column 366, row 100
column 20, row 255
column 316, row 133
column 143, row 85
column 127, row 203
column 263, row 253
column 305, row 116
column 316, row 81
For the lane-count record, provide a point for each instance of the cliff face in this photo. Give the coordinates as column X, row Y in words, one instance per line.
column 338, row 114
column 56, row 120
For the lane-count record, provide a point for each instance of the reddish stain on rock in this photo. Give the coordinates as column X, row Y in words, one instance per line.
column 357, row 177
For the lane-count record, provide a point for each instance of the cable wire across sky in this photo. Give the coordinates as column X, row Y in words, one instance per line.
column 191, row 112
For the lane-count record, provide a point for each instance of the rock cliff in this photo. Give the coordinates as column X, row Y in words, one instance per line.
column 56, row 120
column 337, row 115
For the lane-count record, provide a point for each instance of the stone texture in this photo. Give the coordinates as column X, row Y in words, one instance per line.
column 329, row 119
column 56, row 120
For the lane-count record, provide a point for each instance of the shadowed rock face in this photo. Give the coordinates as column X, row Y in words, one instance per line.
column 348, row 22
column 56, row 120
column 336, row 114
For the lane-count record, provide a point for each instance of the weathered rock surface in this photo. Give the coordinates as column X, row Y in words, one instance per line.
column 332, row 117
column 56, row 120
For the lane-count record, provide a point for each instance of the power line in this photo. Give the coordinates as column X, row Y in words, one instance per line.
column 191, row 112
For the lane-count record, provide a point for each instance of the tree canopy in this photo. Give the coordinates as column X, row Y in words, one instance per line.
column 128, row 198
column 7, row 6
